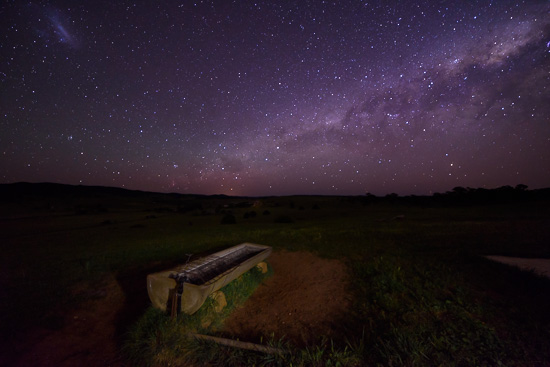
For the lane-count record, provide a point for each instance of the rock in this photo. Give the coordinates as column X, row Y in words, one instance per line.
column 262, row 266
column 206, row 322
column 219, row 301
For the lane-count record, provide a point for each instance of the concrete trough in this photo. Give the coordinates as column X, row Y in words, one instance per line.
column 198, row 279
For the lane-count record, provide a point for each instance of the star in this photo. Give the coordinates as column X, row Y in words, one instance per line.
column 281, row 98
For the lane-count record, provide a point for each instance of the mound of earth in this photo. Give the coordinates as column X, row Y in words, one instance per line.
column 304, row 300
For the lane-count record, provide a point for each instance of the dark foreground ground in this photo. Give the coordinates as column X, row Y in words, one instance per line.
column 416, row 283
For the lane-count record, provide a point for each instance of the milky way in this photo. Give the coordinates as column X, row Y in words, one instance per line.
column 276, row 97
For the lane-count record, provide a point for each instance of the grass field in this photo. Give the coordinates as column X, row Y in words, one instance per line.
column 422, row 292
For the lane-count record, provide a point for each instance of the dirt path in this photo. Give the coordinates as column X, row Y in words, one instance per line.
column 304, row 299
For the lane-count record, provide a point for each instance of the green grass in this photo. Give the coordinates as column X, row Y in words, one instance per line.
column 157, row 339
column 422, row 293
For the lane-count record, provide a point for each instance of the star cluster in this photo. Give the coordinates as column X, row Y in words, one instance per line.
column 276, row 97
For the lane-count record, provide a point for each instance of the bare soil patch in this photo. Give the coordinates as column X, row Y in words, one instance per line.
column 305, row 299
column 539, row 266
column 87, row 336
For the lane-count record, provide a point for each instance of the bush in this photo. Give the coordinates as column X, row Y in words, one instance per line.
column 283, row 219
column 251, row 214
column 228, row 219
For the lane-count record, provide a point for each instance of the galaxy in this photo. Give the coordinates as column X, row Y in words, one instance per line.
column 258, row 98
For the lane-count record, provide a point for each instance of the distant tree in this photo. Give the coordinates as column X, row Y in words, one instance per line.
column 506, row 188
column 505, row 192
column 521, row 187
column 369, row 198
column 459, row 190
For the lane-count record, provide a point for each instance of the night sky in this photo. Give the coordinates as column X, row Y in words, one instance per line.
column 276, row 97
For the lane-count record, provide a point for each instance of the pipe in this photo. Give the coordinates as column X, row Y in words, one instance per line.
column 239, row 344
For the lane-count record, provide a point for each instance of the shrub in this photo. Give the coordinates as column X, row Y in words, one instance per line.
column 228, row 219
column 251, row 214
column 283, row 219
